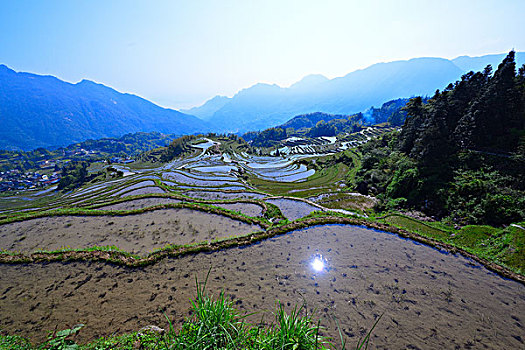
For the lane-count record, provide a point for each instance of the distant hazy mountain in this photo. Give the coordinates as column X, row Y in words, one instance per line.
column 208, row 109
column 262, row 105
column 309, row 82
column 476, row 64
column 43, row 111
column 205, row 111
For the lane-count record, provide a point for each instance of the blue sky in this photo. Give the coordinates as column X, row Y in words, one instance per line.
column 180, row 53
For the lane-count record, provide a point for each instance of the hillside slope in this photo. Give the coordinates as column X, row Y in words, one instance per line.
column 262, row 105
column 460, row 154
column 43, row 111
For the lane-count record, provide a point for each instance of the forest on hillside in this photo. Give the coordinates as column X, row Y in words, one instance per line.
column 319, row 124
column 460, row 155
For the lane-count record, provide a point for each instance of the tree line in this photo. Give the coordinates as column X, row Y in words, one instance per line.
column 460, row 154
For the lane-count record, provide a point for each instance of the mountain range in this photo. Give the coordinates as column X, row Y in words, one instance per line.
column 264, row 105
column 44, row 111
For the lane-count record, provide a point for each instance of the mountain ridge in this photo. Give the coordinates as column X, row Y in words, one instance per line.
column 344, row 95
column 355, row 92
column 44, row 111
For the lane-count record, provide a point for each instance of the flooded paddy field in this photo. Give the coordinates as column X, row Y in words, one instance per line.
column 222, row 188
column 135, row 186
column 428, row 299
column 245, row 208
column 137, row 233
column 293, row 209
column 143, row 190
column 139, row 203
column 202, row 181
column 218, row 195
column 89, row 190
column 280, row 170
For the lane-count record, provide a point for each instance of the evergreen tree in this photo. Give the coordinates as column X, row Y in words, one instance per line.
column 494, row 112
column 415, row 118
column 460, row 153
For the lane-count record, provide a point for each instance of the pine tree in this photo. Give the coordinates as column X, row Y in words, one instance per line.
column 487, row 124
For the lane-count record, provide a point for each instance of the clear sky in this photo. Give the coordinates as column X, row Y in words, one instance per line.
column 181, row 53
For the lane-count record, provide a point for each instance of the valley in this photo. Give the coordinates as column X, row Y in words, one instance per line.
column 378, row 203
column 118, row 255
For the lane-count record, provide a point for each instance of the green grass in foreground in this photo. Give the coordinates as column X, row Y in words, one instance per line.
column 215, row 324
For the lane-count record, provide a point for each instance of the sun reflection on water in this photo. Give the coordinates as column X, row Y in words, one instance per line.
column 318, row 263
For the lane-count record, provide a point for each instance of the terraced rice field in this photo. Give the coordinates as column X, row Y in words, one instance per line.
column 139, row 203
column 293, row 209
column 138, row 234
column 428, row 298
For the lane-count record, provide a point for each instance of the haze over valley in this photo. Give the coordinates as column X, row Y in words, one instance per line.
column 262, row 175
column 43, row 111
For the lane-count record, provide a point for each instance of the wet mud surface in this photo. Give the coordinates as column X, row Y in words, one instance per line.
column 293, row 209
column 428, row 299
column 138, row 233
column 139, row 203
column 216, row 195
column 245, row 208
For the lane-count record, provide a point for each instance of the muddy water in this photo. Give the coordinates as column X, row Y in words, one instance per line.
column 428, row 299
column 249, row 209
column 215, row 195
column 139, row 203
column 139, row 233
column 144, row 190
column 293, row 209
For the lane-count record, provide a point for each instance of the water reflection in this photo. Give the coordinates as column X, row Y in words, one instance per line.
column 318, row 263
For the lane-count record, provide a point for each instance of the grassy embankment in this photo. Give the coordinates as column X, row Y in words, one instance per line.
column 503, row 246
